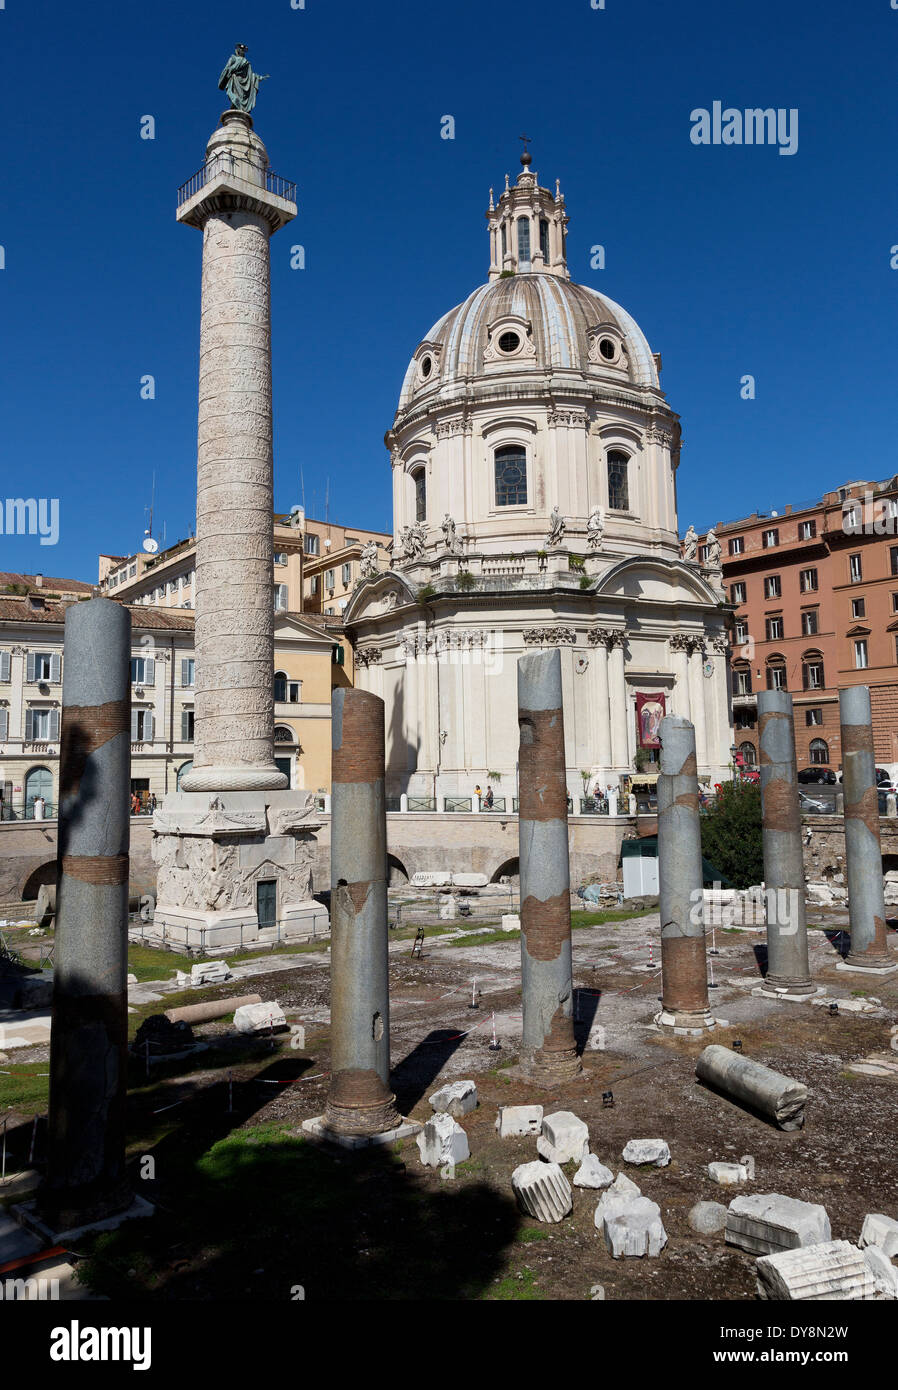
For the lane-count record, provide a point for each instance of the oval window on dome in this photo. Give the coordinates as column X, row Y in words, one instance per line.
column 509, row 342
column 608, row 349
column 426, row 366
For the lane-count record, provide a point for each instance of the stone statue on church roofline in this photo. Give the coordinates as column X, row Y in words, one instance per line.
column 690, row 545
column 239, row 80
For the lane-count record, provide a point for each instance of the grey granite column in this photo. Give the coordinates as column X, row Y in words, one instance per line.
column 684, row 972
column 788, row 969
column 359, row 1100
column 86, row 1178
column 863, row 852
column 548, row 1051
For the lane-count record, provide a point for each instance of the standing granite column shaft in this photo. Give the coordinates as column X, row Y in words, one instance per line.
column 86, row 1178
column 684, row 970
column 234, row 635
column 548, row 1050
column 863, row 851
column 788, row 969
column 359, row 1099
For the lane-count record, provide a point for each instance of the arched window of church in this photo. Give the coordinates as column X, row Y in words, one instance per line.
column 420, row 481
column 544, row 238
column 749, row 754
column 511, row 476
column 504, row 242
column 618, row 483
column 523, row 243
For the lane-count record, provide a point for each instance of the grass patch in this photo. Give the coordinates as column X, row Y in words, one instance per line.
column 24, row 1090
column 514, row 1288
column 599, row 918
column 531, row 1233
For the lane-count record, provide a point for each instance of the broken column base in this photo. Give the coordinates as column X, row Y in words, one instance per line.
column 28, row 1215
column 318, row 1130
column 687, row 1025
column 868, row 965
column 547, row 1070
column 788, row 994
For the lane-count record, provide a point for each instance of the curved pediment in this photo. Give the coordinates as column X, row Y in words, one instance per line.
column 379, row 595
column 653, row 579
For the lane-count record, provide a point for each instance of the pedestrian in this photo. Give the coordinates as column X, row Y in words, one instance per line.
column 151, row 805
column 488, row 799
column 478, row 794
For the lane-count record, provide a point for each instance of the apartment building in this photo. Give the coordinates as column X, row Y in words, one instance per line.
column 814, row 590
column 309, row 663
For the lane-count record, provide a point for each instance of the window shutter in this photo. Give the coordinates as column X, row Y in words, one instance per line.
column 7, row 792
column 4, row 724
column 4, row 666
column 29, row 725
column 54, row 725
column 55, row 667
column 29, row 673
column 185, row 726
column 148, row 726
column 134, row 714
column 150, row 668
column 185, row 672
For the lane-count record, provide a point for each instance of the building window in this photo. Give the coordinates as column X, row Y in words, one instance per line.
column 618, row 487
column 188, row 671
column 808, row 580
column 737, row 593
column 42, row 666
column 737, row 545
column 742, row 680
column 807, row 530
column 858, row 608
column 345, row 574
column 524, row 243
column 330, row 580
column 313, row 584
column 809, row 621
column 141, row 726
column 419, row 478
column 312, row 543
column 511, row 476
column 286, row 691
column 860, row 655
column 143, row 670
column 813, row 718
column 774, row 628
column 544, row 239
column 772, row 586
column 744, row 719
column 741, row 631
column 776, row 674
column 812, row 677
column 41, row 725
column 855, row 572
column 819, row 751
column 771, row 538
column 749, row 754
column 280, row 598
column 187, row 718
column 280, row 558
column 283, row 734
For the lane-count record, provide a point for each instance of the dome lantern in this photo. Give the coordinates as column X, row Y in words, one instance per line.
column 528, row 227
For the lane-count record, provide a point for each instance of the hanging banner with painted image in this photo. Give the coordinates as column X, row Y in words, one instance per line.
column 650, row 710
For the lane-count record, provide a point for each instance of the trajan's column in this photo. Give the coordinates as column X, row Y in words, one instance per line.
column 233, row 847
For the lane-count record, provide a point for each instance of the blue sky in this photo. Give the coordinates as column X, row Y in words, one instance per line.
column 734, row 260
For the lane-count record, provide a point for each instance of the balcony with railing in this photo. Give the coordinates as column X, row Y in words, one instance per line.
column 226, row 165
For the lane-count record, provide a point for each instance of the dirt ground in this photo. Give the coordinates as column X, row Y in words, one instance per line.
column 464, row 1238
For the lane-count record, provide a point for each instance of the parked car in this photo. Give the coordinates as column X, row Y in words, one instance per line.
column 810, row 806
column 817, row 774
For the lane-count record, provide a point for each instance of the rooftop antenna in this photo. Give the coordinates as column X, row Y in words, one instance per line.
column 149, row 544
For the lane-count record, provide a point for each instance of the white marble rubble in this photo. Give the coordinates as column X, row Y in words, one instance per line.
column 564, row 1137
column 708, row 1218
column 442, row 1141
column 632, row 1226
column 728, row 1174
column 882, row 1231
column 592, row 1173
column 885, row 1275
column 519, row 1119
column 456, row 1098
column 259, row 1018
column 647, row 1151
column 542, row 1191
column 510, row 921
column 769, row 1222
column 833, row 1269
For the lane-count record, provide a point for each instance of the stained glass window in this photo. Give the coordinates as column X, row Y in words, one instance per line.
column 511, row 476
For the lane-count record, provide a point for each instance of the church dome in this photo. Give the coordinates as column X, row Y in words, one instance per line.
column 538, row 321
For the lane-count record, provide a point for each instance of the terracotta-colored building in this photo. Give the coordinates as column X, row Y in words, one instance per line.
column 814, row 590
